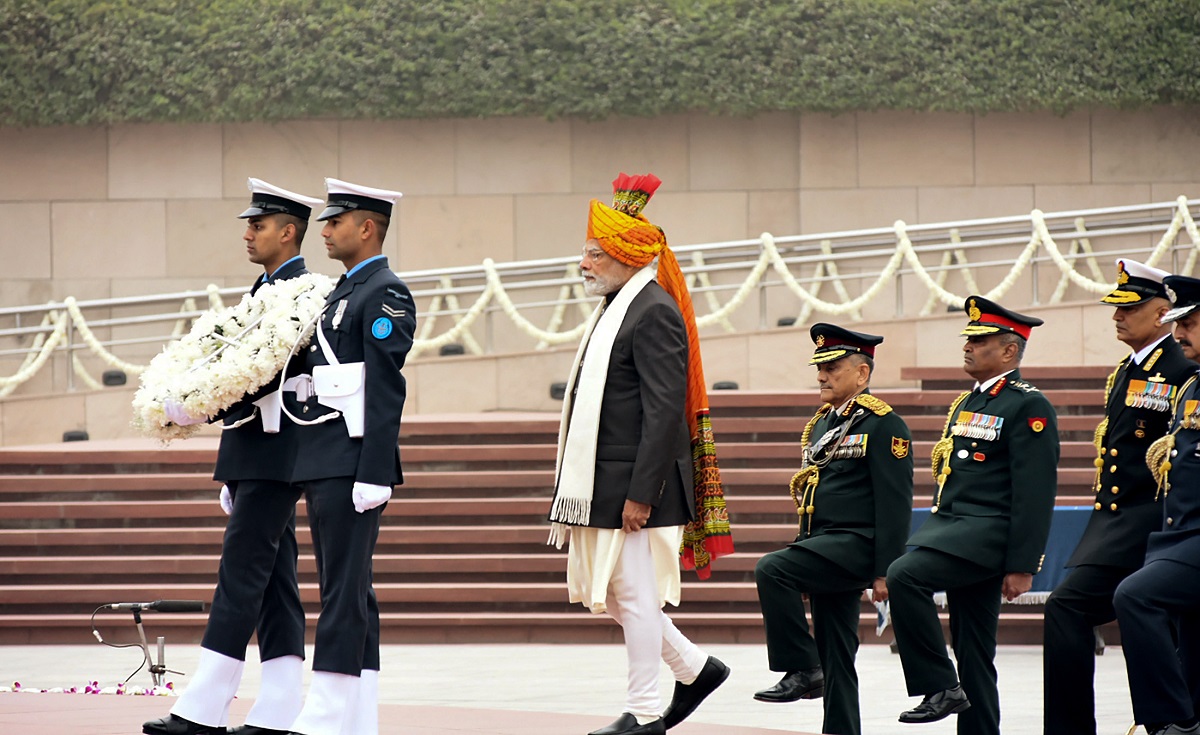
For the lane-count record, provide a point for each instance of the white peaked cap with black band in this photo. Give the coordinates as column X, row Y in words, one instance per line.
column 266, row 198
column 342, row 197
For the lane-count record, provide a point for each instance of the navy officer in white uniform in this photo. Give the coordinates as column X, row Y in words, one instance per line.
column 347, row 452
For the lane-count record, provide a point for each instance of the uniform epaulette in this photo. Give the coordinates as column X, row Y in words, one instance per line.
column 875, row 405
column 1022, row 386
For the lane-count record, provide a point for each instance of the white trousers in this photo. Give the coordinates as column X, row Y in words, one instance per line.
column 650, row 636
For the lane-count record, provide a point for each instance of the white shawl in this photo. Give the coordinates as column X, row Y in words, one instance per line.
column 575, row 471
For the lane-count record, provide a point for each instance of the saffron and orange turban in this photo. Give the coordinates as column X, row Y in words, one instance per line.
column 626, row 235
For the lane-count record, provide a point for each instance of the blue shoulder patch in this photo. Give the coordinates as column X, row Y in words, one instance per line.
column 381, row 328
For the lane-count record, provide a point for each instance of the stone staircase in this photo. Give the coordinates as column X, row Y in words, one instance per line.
column 461, row 556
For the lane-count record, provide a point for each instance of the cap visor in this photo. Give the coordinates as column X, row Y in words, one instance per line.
column 254, row 212
column 1178, row 313
column 332, row 212
column 828, row 356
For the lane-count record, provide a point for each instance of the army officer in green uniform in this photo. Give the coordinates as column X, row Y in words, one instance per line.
column 996, row 471
column 853, row 494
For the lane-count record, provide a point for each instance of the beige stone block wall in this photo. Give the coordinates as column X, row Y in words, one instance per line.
column 25, row 240
column 109, row 239
column 512, row 156
column 1162, row 144
column 53, row 164
column 442, row 232
column 294, row 155
column 140, row 209
column 913, row 149
column 1032, row 148
column 601, row 150
column 164, row 161
column 828, row 151
column 751, row 154
column 415, row 157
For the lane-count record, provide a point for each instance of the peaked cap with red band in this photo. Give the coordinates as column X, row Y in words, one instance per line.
column 988, row 317
column 834, row 343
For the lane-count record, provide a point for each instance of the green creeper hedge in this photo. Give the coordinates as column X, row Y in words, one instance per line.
column 104, row 61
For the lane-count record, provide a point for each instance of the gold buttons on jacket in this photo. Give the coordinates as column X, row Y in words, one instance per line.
column 1115, row 489
column 1113, row 506
column 1170, row 521
column 1112, row 469
column 1099, row 506
column 1113, row 451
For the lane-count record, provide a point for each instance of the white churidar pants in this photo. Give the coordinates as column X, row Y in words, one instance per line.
column 634, row 599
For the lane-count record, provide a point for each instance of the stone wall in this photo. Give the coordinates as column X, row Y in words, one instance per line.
column 130, row 209
column 136, row 209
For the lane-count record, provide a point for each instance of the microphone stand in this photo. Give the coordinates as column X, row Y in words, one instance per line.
column 157, row 670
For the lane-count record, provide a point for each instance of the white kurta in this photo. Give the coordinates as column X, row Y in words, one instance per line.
column 593, row 553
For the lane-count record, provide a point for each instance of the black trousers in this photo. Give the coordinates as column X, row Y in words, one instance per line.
column 783, row 577
column 1158, row 609
column 343, row 541
column 256, row 582
column 1082, row 601
column 973, row 596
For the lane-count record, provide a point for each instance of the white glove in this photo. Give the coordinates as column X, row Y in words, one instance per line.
column 176, row 415
column 226, row 500
column 367, row 496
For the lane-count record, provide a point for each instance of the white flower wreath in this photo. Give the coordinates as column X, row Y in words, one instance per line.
column 228, row 354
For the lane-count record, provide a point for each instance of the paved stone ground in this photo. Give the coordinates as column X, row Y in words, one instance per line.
column 533, row 688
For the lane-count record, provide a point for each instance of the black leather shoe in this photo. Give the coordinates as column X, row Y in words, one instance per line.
column 1176, row 730
column 627, row 724
column 687, row 697
column 938, row 706
column 174, row 725
column 804, row 684
column 255, row 730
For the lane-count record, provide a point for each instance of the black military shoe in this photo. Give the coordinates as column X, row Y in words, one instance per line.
column 938, row 705
column 627, row 724
column 1177, row 730
column 687, row 697
column 255, row 730
column 175, row 725
column 804, row 684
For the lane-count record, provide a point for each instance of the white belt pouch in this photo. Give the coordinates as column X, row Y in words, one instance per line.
column 342, row 387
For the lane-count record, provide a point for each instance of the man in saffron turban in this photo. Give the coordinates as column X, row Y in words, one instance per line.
column 637, row 477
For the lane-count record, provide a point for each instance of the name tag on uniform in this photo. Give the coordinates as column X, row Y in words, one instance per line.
column 1151, row 395
column 853, row 446
column 977, row 426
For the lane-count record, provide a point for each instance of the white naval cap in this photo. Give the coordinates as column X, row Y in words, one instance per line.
column 267, row 199
column 342, row 196
column 1136, row 283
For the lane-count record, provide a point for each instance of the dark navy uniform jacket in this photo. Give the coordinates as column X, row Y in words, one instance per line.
column 375, row 327
column 247, row 452
column 1138, row 411
column 1179, row 537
